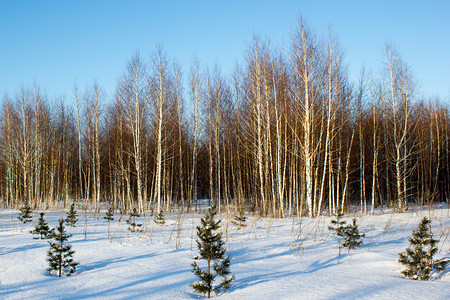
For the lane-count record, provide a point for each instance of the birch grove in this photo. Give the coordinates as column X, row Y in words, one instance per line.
column 287, row 133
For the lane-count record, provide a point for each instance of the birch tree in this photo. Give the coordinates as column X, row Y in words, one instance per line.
column 134, row 94
column 400, row 91
column 159, row 102
column 304, row 62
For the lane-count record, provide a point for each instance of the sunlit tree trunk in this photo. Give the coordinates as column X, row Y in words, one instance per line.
column 80, row 161
column 375, row 146
column 97, row 146
column 195, row 93
column 304, row 62
column 400, row 89
column 133, row 92
column 362, row 165
column 25, row 146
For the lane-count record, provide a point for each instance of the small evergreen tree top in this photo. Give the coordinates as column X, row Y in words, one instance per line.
column 132, row 225
column 59, row 256
column 211, row 248
column 134, row 213
column 109, row 214
column 72, row 216
column 25, row 214
column 240, row 218
column 338, row 226
column 210, row 244
column 159, row 219
column 418, row 257
column 352, row 237
column 41, row 229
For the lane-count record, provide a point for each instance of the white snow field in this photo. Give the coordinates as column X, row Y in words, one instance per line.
column 288, row 258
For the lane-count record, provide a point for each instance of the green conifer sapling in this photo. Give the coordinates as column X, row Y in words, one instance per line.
column 59, row 256
column 240, row 219
column 337, row 225
column 352, row 237
column 109, row 217
column 159, row 219
column 132, row 225
column 25, row 214
column 109, row 214
column 41, row 229
column 72, row 216
column 418, row 257
column 212, row 250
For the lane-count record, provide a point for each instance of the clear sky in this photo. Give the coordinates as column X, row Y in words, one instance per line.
column 57, row 43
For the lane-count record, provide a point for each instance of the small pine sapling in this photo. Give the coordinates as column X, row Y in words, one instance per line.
column 25, row 214
column 109, row 214
column 59, row 256
column 41, row 229
column 418, row 257
column 132, row 225
column 337, row 225
column 240, row 219
column 160, row 219
column 211, row 248
column 352, row 237
column 109, row 217
column 72, row 216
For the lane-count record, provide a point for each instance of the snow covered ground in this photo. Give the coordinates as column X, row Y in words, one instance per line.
column 271, row 258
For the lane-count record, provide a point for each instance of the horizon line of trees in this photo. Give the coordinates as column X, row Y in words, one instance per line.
column 287, row 133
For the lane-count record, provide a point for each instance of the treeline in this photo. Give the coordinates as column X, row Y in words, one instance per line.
column 287, row 133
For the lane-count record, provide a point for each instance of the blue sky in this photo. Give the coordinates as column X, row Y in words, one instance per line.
column 57, row 43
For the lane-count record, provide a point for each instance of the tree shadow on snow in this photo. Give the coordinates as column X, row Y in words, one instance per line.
column 320, row 265
column 6, row 250
column 12, row 289
column 244, row 282
column 376, row 242
column 98, row 265
column 359, row 292
column 267, row 252
column 252, row 280
column 134, row 287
